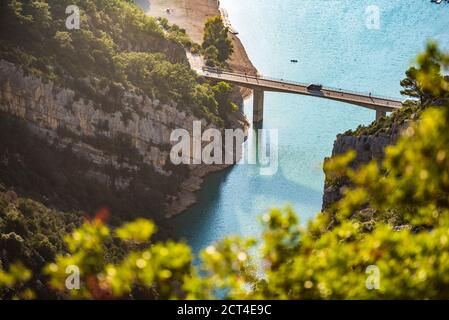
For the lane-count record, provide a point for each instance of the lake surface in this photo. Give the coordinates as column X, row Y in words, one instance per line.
column 334, row 47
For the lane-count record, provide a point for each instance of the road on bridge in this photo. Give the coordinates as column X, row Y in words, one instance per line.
column 378, row 103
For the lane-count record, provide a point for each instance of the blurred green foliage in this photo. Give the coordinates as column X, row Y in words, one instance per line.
column 16, row 276
column 32, row 235
column 395, row 216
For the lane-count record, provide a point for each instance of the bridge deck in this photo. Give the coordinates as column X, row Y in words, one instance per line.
column 279, row 85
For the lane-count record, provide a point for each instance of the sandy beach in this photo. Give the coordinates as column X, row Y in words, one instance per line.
column 191, row 15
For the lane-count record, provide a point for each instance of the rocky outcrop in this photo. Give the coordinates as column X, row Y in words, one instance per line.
column 172, row 50
column 128, row 140
column 51, row 108
column 368, row 146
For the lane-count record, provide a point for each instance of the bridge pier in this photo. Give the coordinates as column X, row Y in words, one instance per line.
column 380, row 114
column 258, row 98
column 259, row 84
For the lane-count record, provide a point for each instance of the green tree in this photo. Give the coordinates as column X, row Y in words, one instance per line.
column 216, row 35
column 211, row 55
column 118, row 48
column 222, row 91
column 413, row 88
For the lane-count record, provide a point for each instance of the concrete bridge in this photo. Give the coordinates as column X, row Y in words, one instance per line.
column 260, row 84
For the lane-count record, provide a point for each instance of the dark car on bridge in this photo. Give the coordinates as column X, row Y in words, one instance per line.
column 314, row 87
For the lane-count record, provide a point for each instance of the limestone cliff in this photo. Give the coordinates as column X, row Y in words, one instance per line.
column 123, row 149
column 369, row 143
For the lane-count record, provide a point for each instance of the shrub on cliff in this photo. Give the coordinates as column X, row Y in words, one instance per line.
column 57, row 176
column 174, row 32
column 418, row 98
column 216, row 44
column 222, row 90
column 117, row 48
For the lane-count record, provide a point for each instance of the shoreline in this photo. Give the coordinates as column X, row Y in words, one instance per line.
column 191, row 16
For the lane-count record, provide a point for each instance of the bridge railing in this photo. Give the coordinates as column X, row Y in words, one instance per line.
column 340, row 90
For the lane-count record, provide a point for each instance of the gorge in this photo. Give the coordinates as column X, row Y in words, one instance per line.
column 108, row 129
column 368, row 59
column 230, row 200
column 102, row 150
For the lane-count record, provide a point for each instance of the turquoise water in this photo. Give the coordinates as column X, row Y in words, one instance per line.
column 334, row 47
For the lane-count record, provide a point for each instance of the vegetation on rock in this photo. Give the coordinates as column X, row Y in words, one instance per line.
column 120, row 62
column 216, row 45
column 405, row 235
column 117, row 49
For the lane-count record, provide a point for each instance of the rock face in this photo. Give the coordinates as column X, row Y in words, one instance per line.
column 127, row 140
column 367, row 146
column 49, row 108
